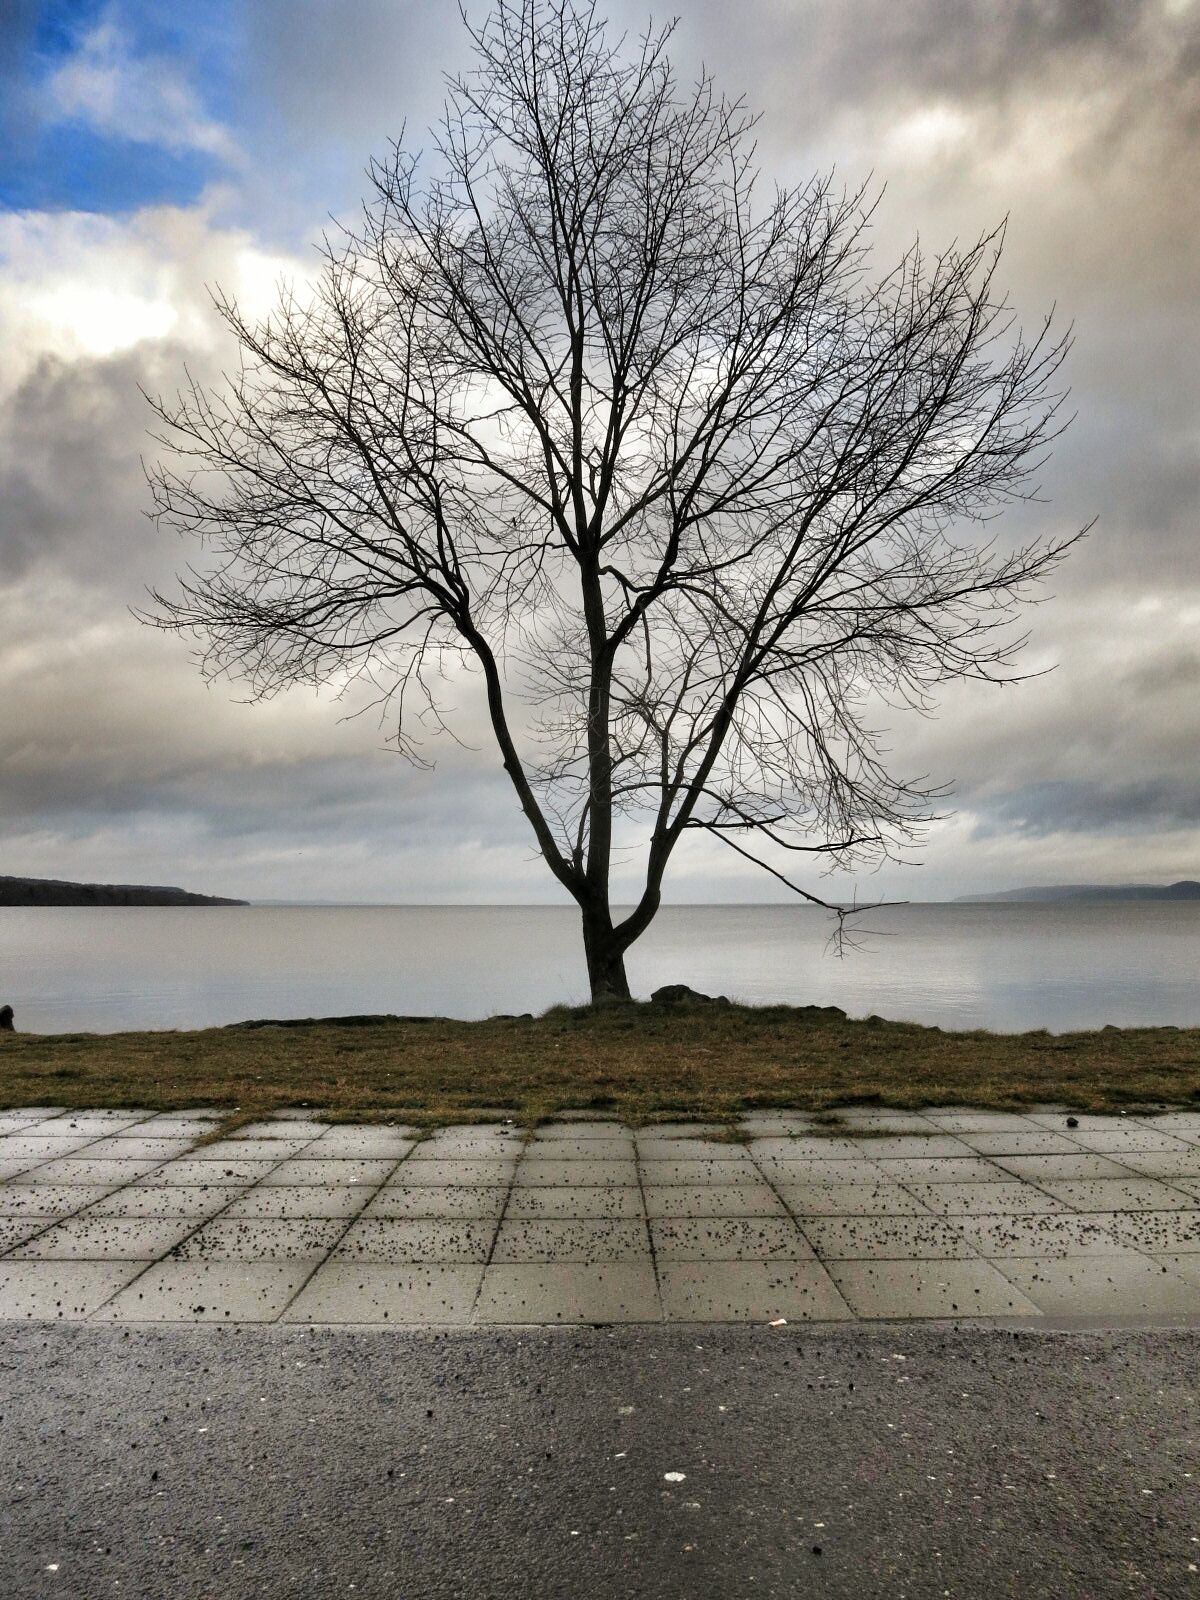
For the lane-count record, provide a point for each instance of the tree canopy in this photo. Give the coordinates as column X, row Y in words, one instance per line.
column 585, row 406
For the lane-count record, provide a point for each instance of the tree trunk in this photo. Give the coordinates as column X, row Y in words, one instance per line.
column 605, row 960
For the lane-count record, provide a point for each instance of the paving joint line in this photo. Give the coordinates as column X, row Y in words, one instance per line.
column 73, row 1216
column 658, row 1294
column 527, row 1139
column 350, row 1221
column 788, row 1212
column 201, row 1222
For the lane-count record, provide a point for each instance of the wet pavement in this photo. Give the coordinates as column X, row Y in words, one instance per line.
column 129, row 1217
column 914, row 1461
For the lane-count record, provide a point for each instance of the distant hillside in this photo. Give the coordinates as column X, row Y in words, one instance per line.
column 1185, row 889
column 54, row 892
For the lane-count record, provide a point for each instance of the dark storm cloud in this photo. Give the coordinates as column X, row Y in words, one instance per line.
column 70, row 484
column 1150, row 806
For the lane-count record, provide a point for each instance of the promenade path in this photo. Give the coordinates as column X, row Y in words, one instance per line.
column 124, row 1216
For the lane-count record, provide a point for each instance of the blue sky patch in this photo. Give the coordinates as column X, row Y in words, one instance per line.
column 111, row 106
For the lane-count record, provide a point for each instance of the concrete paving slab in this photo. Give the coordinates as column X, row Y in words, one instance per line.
column 811, row 1147
column 983, row 1199
column 427, row 1200
column 93, row 1238
column 207, row 1291
column 1167, row 1164
column 15, row 1230
column 167, row 1126
column 1052, row 1235
column 366, row 1142
column 1157, row 1231
column 1094, row 1122
column 536, row 1172
column 101, row 1121
column 729, row 1239
column 1188, row 1186
column 1023, row 1142
column 1186, row 1266
column 238, row 1149
column 904, row 1289
column 1117, row 1194
column 968, row 1121
column 47, row 1200
column 260, row 1239
column 750, row 1291
column 459, row 1174
column 277, row 1127
column 448, row 1144
column 524, row 1292
column 1124, row 1141
column 654, row 1148
column 579, row 1239
column 871, row 1118
column 299, row 1200
column 950, row 1169
column 504, row 1130
column 404, row 1240
column 887, row 1239
column 931, row 1146
column 551, row 1131
column 598, row 1201
column 712, row 1200
column 1126, row 1284
column 1183, row 1123
column 35, row 1147
column 168, row 1200
column 332, row 1174
column 59, row 1291
column 119, row 1147
column 358, row 1292
column 195, row 1174
column 850, row 1200
column 81, row 1171
column 826, row 1173
column 771, row 1122
column 582, row 1150
column 661, row 1173
column 14, row 1168
column 1036, row 1169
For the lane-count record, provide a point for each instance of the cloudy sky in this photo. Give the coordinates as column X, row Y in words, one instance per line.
column 149, row 149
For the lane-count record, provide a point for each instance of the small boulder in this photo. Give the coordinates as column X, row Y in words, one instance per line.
column 6, row 1020
column 680, row 994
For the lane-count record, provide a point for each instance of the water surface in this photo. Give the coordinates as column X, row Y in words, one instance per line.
column 1008, row 967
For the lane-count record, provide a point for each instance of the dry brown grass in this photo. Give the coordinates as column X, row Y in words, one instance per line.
column 638, row 1062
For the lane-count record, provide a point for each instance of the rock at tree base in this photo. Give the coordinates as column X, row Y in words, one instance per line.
column 679, row 994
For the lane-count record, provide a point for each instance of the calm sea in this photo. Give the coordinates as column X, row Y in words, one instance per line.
column 1007, row 967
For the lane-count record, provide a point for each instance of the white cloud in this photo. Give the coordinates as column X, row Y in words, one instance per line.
column 84, row 285
column 142, row 98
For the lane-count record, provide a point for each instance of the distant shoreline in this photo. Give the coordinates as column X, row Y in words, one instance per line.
column 59, row 892
column 1185, row 889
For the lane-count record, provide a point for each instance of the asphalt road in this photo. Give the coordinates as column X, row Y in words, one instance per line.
column 903, row 1461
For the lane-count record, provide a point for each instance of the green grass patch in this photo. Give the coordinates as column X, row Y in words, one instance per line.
column 639, row 1062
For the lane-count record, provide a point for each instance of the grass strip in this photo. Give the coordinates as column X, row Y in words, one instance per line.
column 640, row 1062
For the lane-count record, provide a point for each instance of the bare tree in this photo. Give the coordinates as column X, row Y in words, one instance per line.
column 579, row 406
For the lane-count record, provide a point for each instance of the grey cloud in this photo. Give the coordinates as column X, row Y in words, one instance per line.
column 70, row 484
column 1123, row 807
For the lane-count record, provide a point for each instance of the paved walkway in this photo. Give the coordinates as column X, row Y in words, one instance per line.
column 125, row 1217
